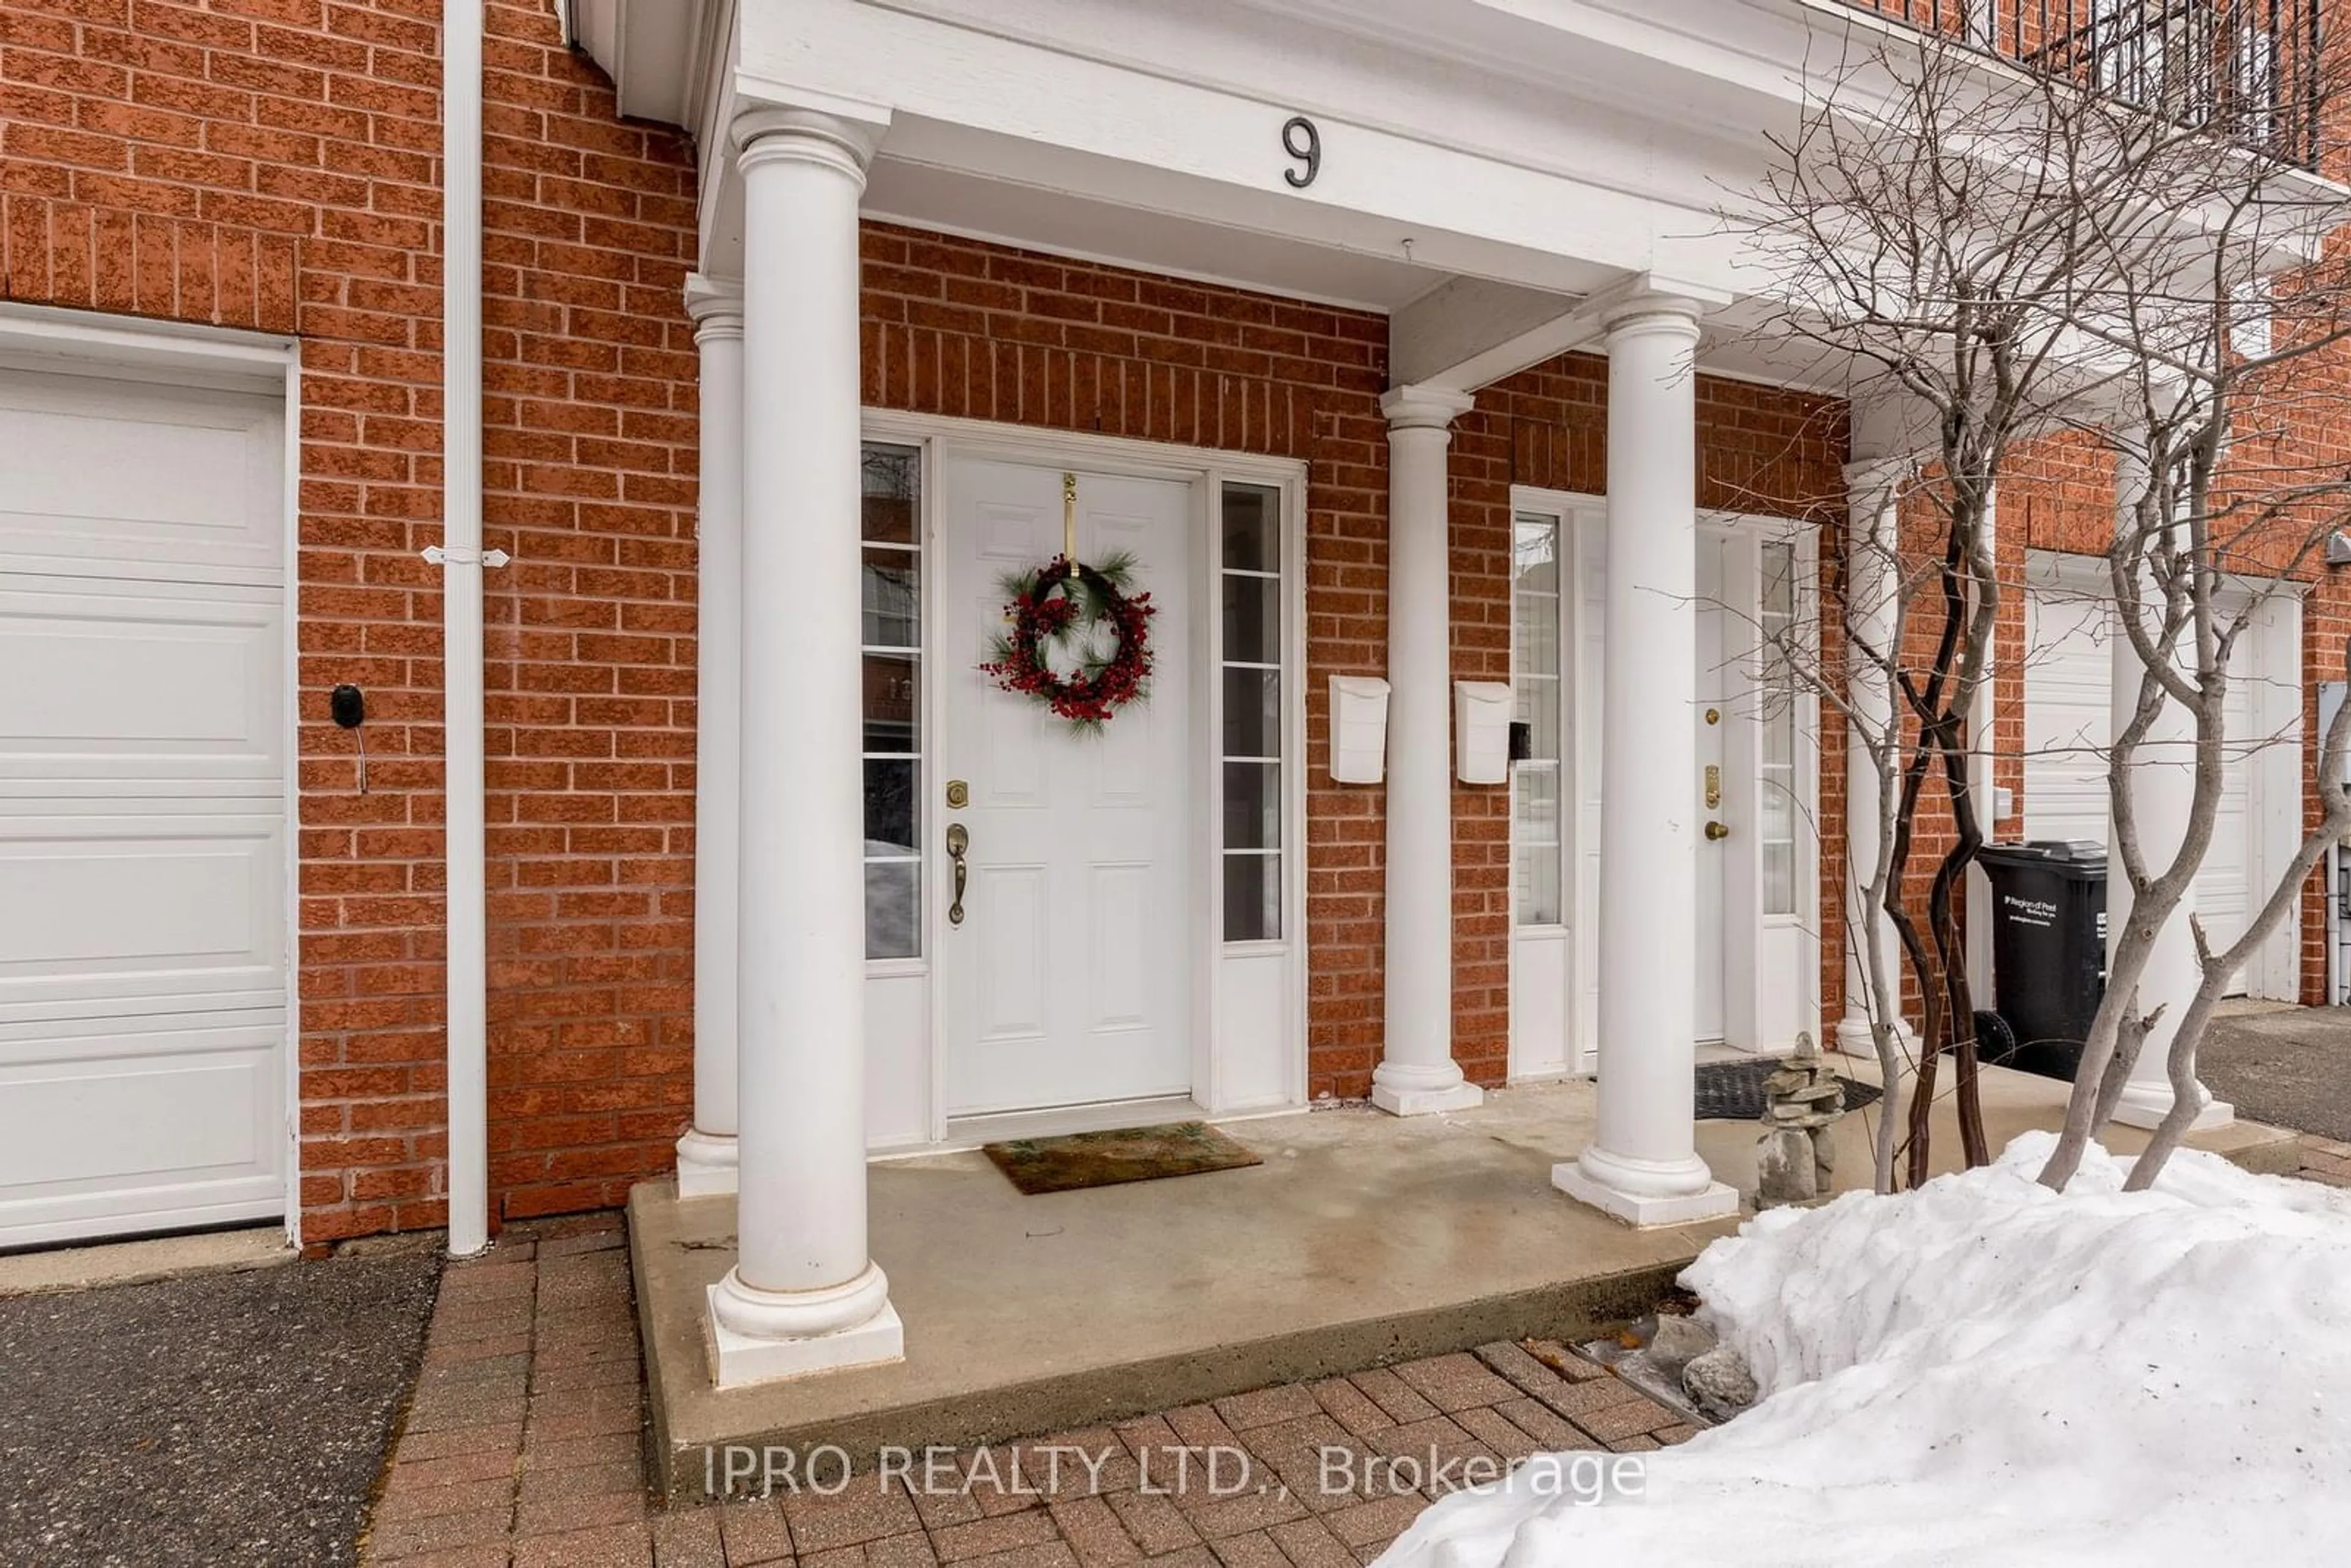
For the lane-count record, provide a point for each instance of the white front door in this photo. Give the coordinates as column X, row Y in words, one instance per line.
column 142, row 808
column 1068, row 978
column 1709, row 713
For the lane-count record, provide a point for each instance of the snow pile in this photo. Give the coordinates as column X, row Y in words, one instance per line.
column 1984, row 1371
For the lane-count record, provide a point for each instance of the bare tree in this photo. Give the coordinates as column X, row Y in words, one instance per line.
column 1915, row 266
column 1990, row 258
column 2228, row 330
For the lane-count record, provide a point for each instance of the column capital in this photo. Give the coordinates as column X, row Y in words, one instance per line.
column 715, row 306
column 1423, row 408
column 766, row 133
column 1645, row 315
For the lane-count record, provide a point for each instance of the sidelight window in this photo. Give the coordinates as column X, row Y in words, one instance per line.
column 892, row 640
column 1537, row 790
column 1249, row 580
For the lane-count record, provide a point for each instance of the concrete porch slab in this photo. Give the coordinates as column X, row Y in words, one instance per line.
column 1363, row 1238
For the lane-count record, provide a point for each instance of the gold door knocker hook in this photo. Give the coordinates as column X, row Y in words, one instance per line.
column 1070, row 522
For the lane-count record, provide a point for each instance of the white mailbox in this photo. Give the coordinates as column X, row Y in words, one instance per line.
column 1481, row 732
column 1358, row 729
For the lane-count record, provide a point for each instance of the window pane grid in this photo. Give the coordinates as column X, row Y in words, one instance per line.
column 1537, row 837
column 1250, row 577
column 891, row 646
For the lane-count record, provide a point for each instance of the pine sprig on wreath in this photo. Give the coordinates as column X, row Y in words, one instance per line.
column 1055, row 610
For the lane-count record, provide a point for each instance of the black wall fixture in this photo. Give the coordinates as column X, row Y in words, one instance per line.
column 347, row 706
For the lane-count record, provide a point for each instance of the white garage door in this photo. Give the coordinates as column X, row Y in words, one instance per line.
column 142, row 807
column 2068, row 680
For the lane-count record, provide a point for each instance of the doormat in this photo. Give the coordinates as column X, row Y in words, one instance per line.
column 1734, row 1091
column 1106, row 1159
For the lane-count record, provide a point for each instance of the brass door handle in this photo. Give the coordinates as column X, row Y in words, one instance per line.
column 1716, row 830
column 958, row 840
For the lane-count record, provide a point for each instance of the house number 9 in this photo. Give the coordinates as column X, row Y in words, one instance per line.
column 1303, row 143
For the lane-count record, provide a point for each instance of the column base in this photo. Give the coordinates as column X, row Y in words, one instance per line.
column 1852, row 1037
column 1398, row 1101
column 707, row 1163
column 1855, row 1037
column 737, row 1359
column 1709, row 1200
column 2148, row 1107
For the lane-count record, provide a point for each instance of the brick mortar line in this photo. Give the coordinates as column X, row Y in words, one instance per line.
column 530, row 1408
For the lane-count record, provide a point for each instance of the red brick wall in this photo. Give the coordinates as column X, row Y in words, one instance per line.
column 274, row 164
column 590, row 381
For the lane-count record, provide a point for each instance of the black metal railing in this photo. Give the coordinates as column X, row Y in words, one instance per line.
column 2249, row 69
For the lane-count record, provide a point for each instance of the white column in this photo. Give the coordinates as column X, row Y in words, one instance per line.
column 2163, row 794
column 1872, row 584
column 803, row 1296
column 1642, row 1165
column 705, row 1154
column 1417, row 1074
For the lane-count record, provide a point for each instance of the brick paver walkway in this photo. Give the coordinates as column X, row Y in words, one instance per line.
column 2324, row 1159
column 523, row 1448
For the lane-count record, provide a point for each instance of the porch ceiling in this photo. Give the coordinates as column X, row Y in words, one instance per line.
column 1447, row 313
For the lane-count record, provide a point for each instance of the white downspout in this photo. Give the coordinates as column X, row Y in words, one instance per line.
column 460, row 559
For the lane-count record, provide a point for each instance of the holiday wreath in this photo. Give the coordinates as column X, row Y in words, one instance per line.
column 1091, row 619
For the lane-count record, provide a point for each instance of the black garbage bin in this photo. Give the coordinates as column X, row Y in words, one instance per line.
column 2048, row 952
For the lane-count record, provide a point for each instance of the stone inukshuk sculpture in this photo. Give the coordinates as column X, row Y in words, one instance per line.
column 1801, row 1102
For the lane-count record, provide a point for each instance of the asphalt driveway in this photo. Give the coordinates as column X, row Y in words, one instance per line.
column 218, row 1419
column 2291, row 1068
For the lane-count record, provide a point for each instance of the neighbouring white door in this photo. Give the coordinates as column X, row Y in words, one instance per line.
column 1713, row 786
column 1069, row 980
column 142, row 808
column 1578, row 624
